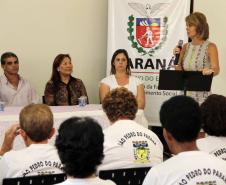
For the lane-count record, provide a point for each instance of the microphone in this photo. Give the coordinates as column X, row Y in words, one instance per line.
column 177, row 56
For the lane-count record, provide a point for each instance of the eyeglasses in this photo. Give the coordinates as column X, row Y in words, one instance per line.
column 10, row 63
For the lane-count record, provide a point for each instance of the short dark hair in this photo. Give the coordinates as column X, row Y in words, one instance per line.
column 213, row 111
column 7, row 55
column 181, row 116
column 120, row 103
column 37, row 121
column 119, row 51
column 80, row 146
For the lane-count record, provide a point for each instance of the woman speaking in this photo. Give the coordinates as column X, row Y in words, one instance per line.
column 199, row 54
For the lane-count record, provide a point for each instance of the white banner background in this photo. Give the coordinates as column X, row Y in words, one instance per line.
column 147, row 60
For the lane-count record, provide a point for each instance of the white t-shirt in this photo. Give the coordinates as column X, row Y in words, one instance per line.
column 190, row 168
column 23, row 95
column 131, row 86
column 128, row 144
column 213, row 145
column 87, row 181
column 36, row 159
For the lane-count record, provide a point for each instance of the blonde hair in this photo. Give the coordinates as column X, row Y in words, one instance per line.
column 37, row 121
column 198, row 20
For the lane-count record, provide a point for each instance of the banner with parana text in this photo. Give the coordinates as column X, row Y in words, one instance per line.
column 148, row 30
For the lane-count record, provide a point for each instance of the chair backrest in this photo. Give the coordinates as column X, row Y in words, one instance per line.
column 43, row 100
column 130, row 176
column 36, row 180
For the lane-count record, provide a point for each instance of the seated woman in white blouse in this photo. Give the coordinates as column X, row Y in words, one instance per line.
column 121, row 77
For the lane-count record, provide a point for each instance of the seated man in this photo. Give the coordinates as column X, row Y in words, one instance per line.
column 80, row 147
column 180, row 117
column 213, row 111
column 126, row 143
column 36, row 127
column 14, row 90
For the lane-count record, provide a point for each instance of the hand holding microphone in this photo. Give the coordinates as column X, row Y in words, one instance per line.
column 177, row 51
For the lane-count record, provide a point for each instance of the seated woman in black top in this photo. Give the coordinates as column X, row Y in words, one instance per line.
column 63, row 89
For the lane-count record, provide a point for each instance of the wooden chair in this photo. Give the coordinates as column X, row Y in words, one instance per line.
column 36, row 180
column 130, row 176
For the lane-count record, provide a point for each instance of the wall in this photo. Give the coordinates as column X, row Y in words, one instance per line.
column 38, row 30
column 214, row 11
